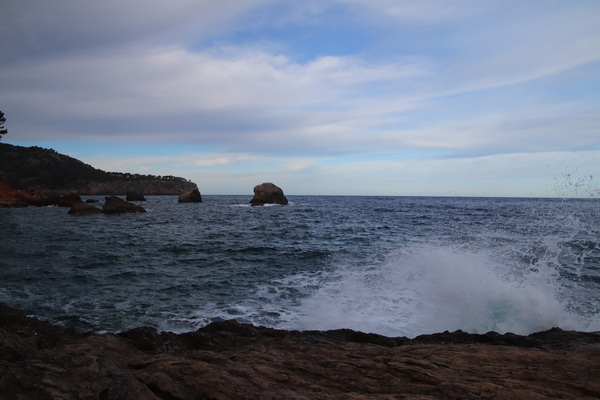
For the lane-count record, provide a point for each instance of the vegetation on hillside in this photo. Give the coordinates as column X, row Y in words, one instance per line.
column 35, row 166
column 3, row 130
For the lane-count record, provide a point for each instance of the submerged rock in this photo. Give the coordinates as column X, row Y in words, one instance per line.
column 115, row 205
column 268, row 193
column 229, row 360
column 193, row 196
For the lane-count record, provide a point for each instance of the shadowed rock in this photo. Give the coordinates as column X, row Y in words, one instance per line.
column 133, row 195
column 69, row 199
column 193, row 196
column 34, row 196
column 115, row 205
column 82, row 208
column 268, row 193
column 229, row 360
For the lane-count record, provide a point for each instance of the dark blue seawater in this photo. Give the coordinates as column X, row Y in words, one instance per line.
column 398, row 266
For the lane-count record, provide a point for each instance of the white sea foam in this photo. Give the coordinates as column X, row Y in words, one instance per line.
column 432, row 289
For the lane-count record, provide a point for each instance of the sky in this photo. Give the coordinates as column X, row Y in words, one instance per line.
column 327, row 97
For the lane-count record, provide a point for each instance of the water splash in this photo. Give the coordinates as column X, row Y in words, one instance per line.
column 432, row 289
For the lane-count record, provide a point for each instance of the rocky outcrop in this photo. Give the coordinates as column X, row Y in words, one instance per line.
column 8, row 196
column 133, row 195
column 228, row 360
column 82, row 208
column 38, row 197
column 193, row 196
column 268, row 193
column 34, row 196
column 69, row 199
column 115, row 205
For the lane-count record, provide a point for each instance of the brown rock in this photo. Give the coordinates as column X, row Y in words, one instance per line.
column 193, row 196
column 133, row 195
column 82, row 208
column 69, row 199
column 34, row 196
column 228, row 360
column 115, row 205
column 268, row 193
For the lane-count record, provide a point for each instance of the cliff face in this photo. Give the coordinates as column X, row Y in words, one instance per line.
column 26, row 167
column 228, row 360
column 145, row 186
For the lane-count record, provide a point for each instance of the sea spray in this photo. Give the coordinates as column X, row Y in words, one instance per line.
column 428, row 289
column 391, row 265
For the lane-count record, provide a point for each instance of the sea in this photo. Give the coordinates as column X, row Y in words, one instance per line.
column 396, row 266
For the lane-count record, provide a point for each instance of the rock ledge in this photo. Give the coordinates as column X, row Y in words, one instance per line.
column 228, row 360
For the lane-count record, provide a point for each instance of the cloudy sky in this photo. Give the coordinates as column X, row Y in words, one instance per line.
column 382, row 97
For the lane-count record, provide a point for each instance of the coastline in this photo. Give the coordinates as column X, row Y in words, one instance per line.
column 229, row 360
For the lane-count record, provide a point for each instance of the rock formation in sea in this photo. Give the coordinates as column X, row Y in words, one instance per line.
column 115, row 205
column 229, row 360
column 69, row 199
column 8, row 196
column 134, row 195
column 82, row 208
column 268, row 193
column 34, row 196
column 192, row 196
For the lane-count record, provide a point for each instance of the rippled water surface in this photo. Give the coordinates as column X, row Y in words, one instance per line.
column 391, row 265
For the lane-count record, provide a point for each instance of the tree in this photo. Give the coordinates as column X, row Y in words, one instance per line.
column 3, row 131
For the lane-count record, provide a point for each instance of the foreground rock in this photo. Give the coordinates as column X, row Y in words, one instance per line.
column 115, row 205
column 193, row 196
column 268, row 193
column 228, row 360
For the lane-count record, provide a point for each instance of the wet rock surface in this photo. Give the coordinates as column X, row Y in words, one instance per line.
column 229, row 360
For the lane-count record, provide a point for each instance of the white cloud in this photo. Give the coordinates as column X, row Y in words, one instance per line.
column 428, row 11
column 460, row 79
column 555, row 174
column 262, row 93
column 42, row 27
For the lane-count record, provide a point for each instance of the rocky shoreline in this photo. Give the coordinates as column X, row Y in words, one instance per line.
column 228, row 360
